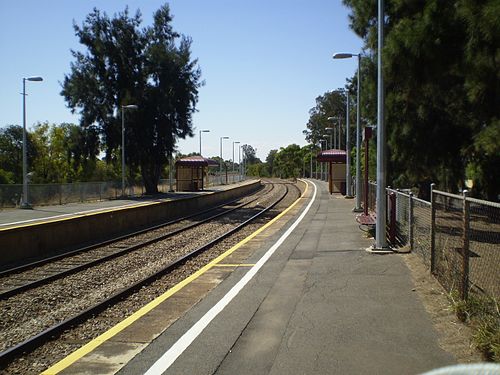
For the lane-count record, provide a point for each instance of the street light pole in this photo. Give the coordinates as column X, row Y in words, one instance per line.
column 124, row 107
column 25, row 201
column 330, row 131
column 322, row 173
column 380, row 237
column 357, row 208
column 203, row 131
column 348, row 152
column 221, row 159
column 239, row 161
column 233, row 157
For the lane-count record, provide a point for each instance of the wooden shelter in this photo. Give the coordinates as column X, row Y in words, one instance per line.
column 191, row 173
column 336, row 161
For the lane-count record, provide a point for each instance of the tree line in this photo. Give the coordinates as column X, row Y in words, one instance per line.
column 442, row 92
column 442, row 87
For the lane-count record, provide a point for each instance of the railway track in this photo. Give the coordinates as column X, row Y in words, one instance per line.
column 32, row 275
column 42, row 336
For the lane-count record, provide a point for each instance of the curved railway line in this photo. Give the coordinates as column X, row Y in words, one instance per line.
column 29, row 276
column 59, row 294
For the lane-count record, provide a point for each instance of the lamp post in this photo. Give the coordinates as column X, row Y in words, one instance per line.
column 333, row 119
column 357, row 208
column 321, row 165
column 203, row 131
column 221, row 159
column 380, row 237
column 330, row 131
column 233, row 157
column 347, row 151
column 124, row 107
column 326, row 136
column 239, row 161
column 25, row 201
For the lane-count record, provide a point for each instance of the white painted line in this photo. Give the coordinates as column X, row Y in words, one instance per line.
column 169, row 357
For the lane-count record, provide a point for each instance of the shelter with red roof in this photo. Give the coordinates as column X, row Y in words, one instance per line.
column 336, row 161
column 191, row 172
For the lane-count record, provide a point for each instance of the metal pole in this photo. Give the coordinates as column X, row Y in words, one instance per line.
column 311, row 163
column 200, row 142
column 380, row 237
column 239, row 160
column 220, row 167
column 335, row 136
column 321, row 164
column 24, row 201
column 340, row 138
column 170, row 174
column 348, row 152
column 123, row 151
column 358, row 143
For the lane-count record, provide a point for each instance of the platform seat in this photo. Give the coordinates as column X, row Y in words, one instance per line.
column 369, row 220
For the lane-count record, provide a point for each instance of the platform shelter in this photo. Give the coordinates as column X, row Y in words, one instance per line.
column 336, row 161
column 192, row 172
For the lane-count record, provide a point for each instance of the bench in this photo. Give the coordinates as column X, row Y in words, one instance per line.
column 368, row 220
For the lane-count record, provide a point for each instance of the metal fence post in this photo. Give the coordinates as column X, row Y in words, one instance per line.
column 433, row 229
column 410, row 220
column 392, row 223
column 465, row 251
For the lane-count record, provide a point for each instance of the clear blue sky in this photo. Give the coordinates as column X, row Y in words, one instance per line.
column 264, row 63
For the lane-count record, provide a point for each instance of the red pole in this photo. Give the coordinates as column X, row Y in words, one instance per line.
column 392, row 228
column 365, row 207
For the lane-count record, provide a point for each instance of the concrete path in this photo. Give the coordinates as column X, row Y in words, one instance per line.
column 320, row 305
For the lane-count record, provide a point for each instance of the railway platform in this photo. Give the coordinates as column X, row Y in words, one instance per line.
column 12, row 217
column 302, row 297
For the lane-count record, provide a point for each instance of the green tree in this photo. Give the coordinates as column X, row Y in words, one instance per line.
column 11, row 153
column 150, row 67
column 330, row 104
column 442, row 86
column 289, row 162
column 249, row 155
column 270, row 161
column 258, row 170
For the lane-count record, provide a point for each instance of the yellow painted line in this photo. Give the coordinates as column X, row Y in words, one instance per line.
column 89, row 347
column 234, row 265
column 72, row 216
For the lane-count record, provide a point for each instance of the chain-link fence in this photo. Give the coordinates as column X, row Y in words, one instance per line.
column 457, row 237
column 419, row 238
column 53, row 194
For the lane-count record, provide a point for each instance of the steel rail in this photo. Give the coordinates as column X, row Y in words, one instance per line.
column 79, row 267
column 35, row 341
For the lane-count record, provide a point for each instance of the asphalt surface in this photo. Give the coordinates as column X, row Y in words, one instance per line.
column 320, row 305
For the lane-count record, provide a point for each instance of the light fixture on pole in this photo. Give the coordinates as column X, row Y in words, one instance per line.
column 381, row 204
column 321, row 165
column 347, row 151
column 333, row 119
column 330, row 131
column 233, row 157
column 357, row 208
column 239, row 161
column 326, row 136
column 124, row 107
column 221, row 159
column 203, row 131
column 25, row 201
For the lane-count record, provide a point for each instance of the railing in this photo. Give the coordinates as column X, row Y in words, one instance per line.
column 54, row 194
column 457, row 237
